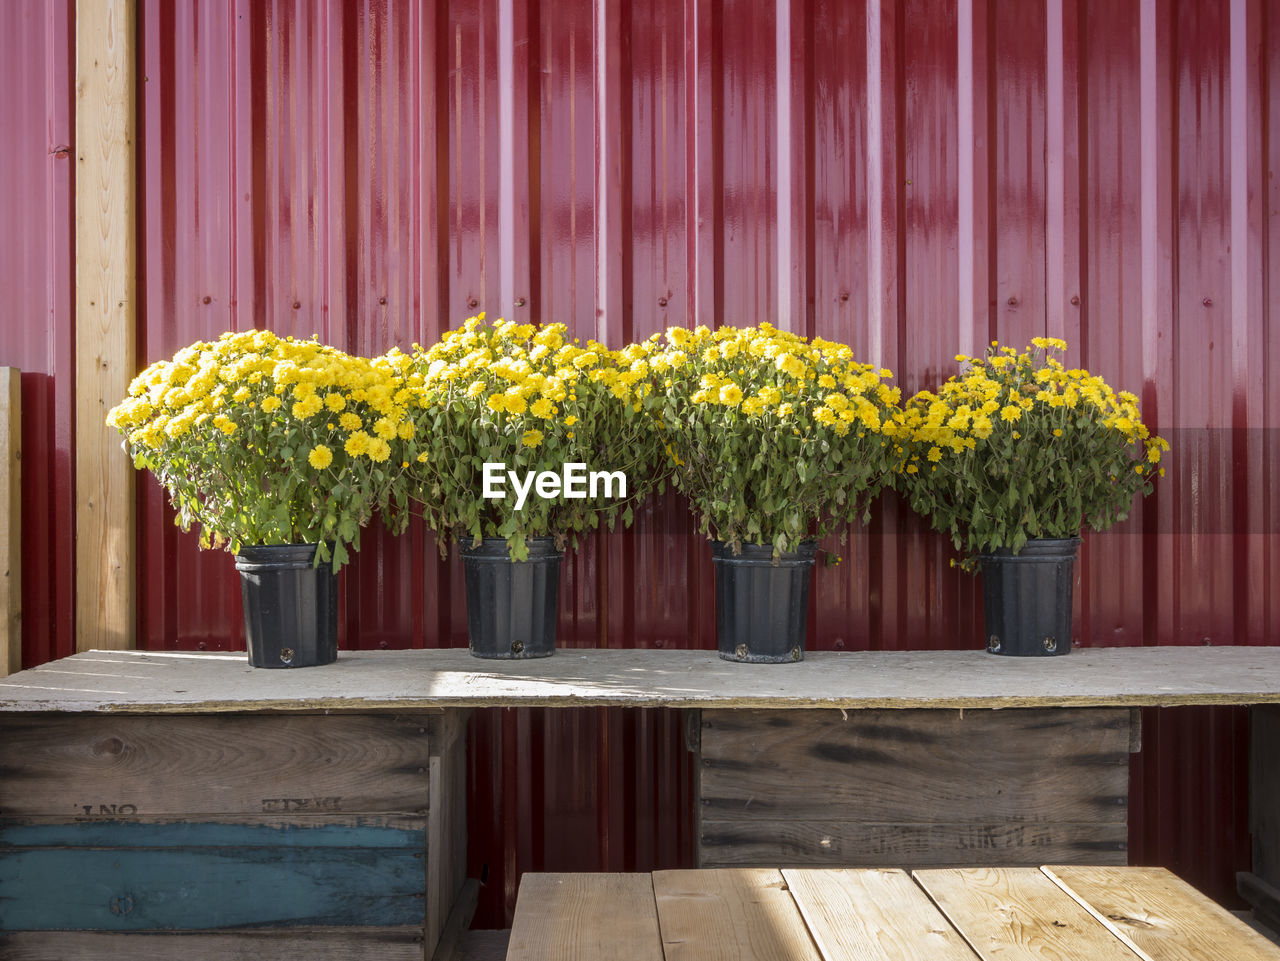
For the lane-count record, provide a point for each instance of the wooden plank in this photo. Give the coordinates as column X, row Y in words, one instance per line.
column 1019, row 914
column 1263, row 896
column 872, row 915
column 259, row 944
column 449, row 944
column 447, row 852
column 1160, row 916
column 903, row 767
column 145, row 682
column 485, row 946
column 69, row 766
column 585, row 917
column 10, row 520
column 843, row 842
column 106, row 306
column 744, row 914
column 1264, row 792
column 126, row 876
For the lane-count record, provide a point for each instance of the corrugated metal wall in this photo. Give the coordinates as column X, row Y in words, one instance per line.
column 37, row 302
column 915, row 177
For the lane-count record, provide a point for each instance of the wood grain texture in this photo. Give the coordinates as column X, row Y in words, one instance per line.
column 258, row 944
column 1160, row 916
column 1019, row 914
column 70, row 766
column 916, row 766
column 449, row 945
column 447, row 822
column 844, row 842
column 742, row 914
column 873, row 915
column 585, row 917
column 124, row 876
column 145, row 682
column 10, row 520
column 106, row 307
column 1264, row 792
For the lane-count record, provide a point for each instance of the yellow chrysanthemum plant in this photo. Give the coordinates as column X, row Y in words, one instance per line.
column 775, row 439
column 529, row 401
column 1017, row 446
column 262, row 440
column 1013, row 458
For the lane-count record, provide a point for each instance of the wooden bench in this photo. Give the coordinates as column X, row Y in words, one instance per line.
column 1069, row 913
column 152, row 756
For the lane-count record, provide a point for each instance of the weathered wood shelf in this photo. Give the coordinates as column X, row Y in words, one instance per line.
column 138, row 682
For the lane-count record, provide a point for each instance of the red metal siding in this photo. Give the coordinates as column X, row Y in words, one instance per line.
column 914, row 177
column 37, row 322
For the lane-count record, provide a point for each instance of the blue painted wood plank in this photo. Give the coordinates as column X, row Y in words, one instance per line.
column 349, row 832
column 199, row 883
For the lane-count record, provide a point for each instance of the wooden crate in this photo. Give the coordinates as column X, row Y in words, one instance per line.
column 1261, row 886
column 200, row 835
column 914, row 788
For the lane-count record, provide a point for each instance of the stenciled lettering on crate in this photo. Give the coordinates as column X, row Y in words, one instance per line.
column 914, row 787
column 230, row 823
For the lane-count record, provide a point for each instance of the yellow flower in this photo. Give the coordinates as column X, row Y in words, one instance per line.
column 1011, row 413
column 542, row 408
column 320, row 456
column 335, row 402
column 532, row 438
column 358, row 443
column 824, row 415
column 516, row 403
column 270, row 404
column 730, row 395
column 384, row 428
column 307, row 407
column 827, row 381
column 935, row 454
column 497, row 402
column 379, row 450
column 241, row 395
column 406, row 430
column 225, row 424
column 570, row 420
column 350, row 421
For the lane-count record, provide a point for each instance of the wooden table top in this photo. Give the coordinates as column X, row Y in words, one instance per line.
column 173, row 682
column 813, row 914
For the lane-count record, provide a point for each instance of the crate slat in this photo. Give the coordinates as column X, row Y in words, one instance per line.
column 259, row 944
column 125, row 876
column 76, row 766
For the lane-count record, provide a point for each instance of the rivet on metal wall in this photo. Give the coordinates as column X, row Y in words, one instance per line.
column 382, row 300
column 662, row 301
column 520, row 301
column 297, row 305
column 1013, row 301
column 207, row 299
column 1075, row 300
column 473, row 303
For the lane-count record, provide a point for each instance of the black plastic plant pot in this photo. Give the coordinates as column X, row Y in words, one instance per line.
column 1026, row 597
column 290, row 606
column 512, row 606
column 762, row 607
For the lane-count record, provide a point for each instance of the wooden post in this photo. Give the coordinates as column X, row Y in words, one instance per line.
column 10, row 521
column 106, row 258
